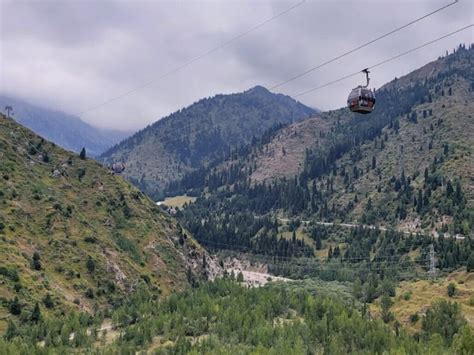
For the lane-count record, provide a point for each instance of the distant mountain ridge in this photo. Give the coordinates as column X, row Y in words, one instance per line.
column 67, row 131
column 408, row 165
column 200, row 133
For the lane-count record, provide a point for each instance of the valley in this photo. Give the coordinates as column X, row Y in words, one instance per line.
column 249, row 223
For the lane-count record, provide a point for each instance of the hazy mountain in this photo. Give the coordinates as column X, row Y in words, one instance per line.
column 66, row 130
column 204, row 131
column 71, row 229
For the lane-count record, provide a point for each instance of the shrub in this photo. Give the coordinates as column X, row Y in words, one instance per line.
column 90, row 239
column 414, row 318
column 90, row 264
column 48, row 301
column 15, row 307
column 36, row 261
column 451, row 289
column 90, row 293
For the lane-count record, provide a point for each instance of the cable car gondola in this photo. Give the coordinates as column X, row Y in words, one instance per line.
column 362, row 99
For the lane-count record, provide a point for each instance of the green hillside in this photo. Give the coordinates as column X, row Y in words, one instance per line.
column 75, row 236
column 408, row 166
column 203, row 132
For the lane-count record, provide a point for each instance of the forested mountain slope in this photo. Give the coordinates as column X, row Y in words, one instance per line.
column 67, row 131
column 73, row 235
column 409, row 165
column 201, row 133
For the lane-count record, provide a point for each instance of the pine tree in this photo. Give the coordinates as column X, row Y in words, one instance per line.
column 470, row 263
column 82, row 154
column 318, row 243
column 15, row 307
column 386, row 303
column 36, row 261
column 12, row 330
column 449, row 188
column 451, row 289
column 36, row 314
column 48, row 301
column 90, row 264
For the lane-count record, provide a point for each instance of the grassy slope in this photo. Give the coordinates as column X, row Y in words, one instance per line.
column 151, row 155
column 67, row 220
column 178, row 201
column 452, row 122
column 424, row 292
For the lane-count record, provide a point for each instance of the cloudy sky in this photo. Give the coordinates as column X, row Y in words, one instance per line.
column 75, row 55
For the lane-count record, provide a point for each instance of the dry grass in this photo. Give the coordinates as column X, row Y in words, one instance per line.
column 300, row 235
column 178, row 201
column 424, row 292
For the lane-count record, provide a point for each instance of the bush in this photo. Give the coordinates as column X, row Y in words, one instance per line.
column 90, row 239
column 451, row 289
column 15, row 307
column 48, row 301
column 407, row 296
column 36, row 261
column 90, row 264
column 90, row 293
column 414, row 318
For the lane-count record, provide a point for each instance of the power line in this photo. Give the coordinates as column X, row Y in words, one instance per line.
column 362, row 46
column 384, row 61
column 169, row 138
column 389, row 258
column 195, row 59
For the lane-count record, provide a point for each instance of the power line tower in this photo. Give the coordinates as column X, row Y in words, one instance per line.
column 432, row 261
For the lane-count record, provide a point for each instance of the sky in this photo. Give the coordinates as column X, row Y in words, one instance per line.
column 75, row 55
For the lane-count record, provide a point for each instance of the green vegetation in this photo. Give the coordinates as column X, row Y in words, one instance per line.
column 75, row 236
column 400, row 168
column 223, row 317
column 199, row 134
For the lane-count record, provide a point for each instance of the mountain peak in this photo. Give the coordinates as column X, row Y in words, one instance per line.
column 258, row 89
column 203, row 132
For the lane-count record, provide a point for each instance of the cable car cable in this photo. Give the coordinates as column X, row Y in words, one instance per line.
column 384, row 61
column 195, row 59
column 169, row 138
column 362, row 46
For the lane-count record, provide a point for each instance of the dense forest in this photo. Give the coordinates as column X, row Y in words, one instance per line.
column 235, row 212
column 223, row 317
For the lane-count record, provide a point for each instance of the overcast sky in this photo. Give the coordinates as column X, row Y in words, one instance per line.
column 73, row 55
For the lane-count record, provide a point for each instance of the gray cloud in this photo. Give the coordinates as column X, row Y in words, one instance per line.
column 73, row 55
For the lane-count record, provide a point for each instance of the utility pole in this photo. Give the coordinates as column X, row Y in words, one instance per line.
column 8, row 109
column 432, row 270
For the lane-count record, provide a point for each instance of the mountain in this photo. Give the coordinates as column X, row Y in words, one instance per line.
column 407, row 166
column 67, row 131
column 203, row 132
column 74, row 235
